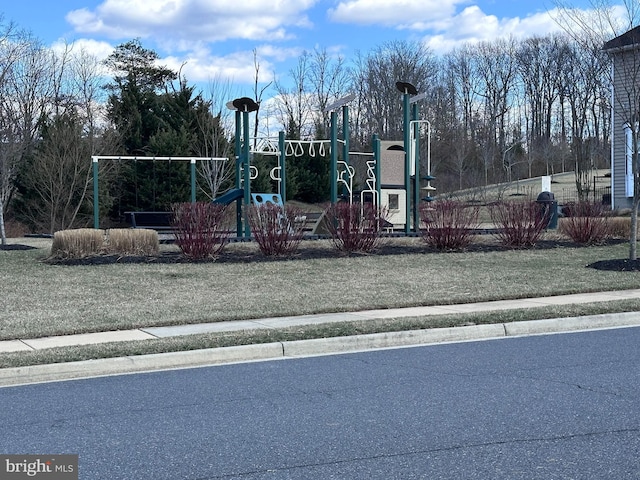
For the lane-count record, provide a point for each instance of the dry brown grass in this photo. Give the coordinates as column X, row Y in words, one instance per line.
column 620, row 227
column 78, row 243
column 128, row 241
column 87, row 242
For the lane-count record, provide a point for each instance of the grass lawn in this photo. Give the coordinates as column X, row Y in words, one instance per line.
column 39, row 299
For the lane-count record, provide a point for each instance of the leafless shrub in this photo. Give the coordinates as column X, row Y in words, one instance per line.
column 129, row 241
column 519, row 224
column 588, row 223
column 275, row 228
column 355, row 227
column 448, row 224
column 15, row 229
column 78, row 243
column 200, row 229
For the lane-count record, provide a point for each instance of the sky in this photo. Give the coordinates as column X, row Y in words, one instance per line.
column 216, row 40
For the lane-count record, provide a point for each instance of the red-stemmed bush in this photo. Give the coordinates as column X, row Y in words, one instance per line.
column 200, row 229
column 588, row 223
column 276, row 230
column 448, row 224
column 519, row 224
column 355, row 227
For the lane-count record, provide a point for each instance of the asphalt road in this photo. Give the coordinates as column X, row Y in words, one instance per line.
column 561, row 406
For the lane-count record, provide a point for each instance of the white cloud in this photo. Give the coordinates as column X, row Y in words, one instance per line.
column 184, row 30
column 472, row 25
column 99, row 50
column 203, row 20
column 236, row 67
column 399, row 14
column 278, row 54
column 199, row 64
column 443, row 24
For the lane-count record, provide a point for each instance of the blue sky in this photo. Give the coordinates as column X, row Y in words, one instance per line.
column 217, row 38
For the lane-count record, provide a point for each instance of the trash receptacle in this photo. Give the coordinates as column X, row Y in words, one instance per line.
column 548, row 208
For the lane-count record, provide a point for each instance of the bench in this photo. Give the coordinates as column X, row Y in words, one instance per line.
column 159, row 221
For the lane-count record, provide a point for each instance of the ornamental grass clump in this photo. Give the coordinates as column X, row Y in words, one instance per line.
column 129, row 241
column 448, row 224
column 276, row 229
column 588, row 223
column 77, row 243
column 200, row 229
column 620, row 227
column 519, row 224
column 355, row 227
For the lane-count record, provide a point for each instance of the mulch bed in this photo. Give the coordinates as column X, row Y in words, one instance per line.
column 618, row 265
column 318, row 250
column 16, row 246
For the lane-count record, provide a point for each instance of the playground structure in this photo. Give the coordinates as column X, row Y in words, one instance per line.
column 383, row 184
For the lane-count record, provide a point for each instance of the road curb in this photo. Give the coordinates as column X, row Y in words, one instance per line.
column 323, row 346
column 303, row 348
column 138, row 363
column 570, row 324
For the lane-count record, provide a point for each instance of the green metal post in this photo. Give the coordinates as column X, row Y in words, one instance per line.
column 238, row 147
column 345, row 136
column 283, row 167
column 193, row 180
column 247, row 169
column 334, row 159
column 407, row 170
column 96, row 203
column 416, row 177
column 375, row 141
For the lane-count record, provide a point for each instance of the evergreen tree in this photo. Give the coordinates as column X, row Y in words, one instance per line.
column 155, row 119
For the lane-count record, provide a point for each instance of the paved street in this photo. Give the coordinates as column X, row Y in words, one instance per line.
column 563, row 406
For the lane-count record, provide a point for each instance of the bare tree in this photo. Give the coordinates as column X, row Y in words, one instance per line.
column 21, row 106
column 376, row 76
column 495, row 64
column 215, row 126
column 316, row 80
column 329, row 80
column 540, row 63
column 459, row 63
column 294, row 103
column 594, row 30
column 59, row 176
column 10, row 155
column 585, row 70
column 258, row 92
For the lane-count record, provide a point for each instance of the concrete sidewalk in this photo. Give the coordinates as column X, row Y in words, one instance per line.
column 305, row 320
column 308, row 347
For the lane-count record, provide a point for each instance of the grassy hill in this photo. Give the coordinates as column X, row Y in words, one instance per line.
column 563, row 186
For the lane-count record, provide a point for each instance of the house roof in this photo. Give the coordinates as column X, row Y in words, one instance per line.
column 627, row 39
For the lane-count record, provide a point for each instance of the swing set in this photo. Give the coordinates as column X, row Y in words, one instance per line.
column 138, row 218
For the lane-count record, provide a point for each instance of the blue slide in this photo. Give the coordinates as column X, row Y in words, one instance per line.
column 231, row 196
